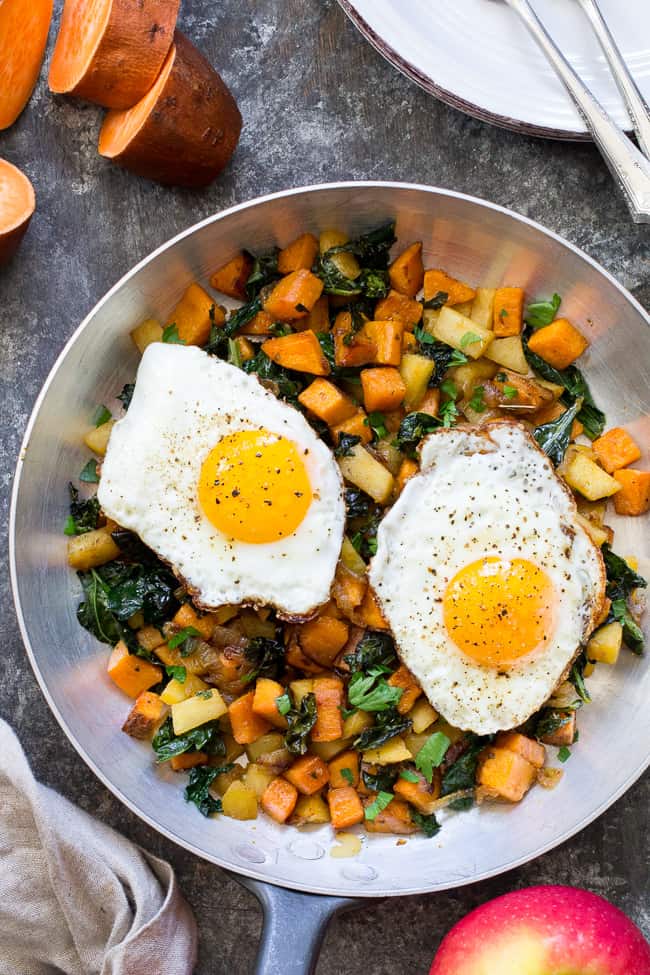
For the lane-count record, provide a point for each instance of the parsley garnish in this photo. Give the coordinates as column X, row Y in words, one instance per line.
column 101, row 416
column 431, row 754
column 371, row 692
column 541, row 313
column 89, row 473
column 477, row 403
column 171, row 336
column 469, row 338
column 377, row 423
column 179, row 638
column 177, row 672
column 510, row 392
column 448, row 413
column 347, row 775
column 564, row 753
column 234, row 355
column 283, row 703
column 409, row 775
column 450, row 388
column 503, row 313
column 383, row 799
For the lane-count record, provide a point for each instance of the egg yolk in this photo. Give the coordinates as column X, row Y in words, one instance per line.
column 498, row 610
column 254, row 486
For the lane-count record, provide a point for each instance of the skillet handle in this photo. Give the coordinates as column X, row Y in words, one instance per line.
column 294, row 927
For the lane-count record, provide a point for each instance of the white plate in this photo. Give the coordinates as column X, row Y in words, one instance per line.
column 477, row 56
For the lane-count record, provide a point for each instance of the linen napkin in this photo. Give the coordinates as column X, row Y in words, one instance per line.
column 75, row 896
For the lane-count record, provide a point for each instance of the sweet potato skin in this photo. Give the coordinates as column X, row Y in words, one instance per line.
column 11, row 237
column 129, row 55
column 192, row 130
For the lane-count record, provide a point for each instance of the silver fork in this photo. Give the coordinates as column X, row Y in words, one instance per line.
column 629, row 167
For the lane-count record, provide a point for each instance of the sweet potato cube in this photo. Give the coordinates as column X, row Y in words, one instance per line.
column 348, row 590
column 132, row 674
column 230, row 279
column 294, row 296
column 430, row 402
column 355, row 426
column 409, row 342
column 180, row 763
column 559, row 343
column 565, row 734
column 187, row 616
column 369, row 614
column 351, row 349
column 323, row 638
column 318, row 319
column 504, row 774
column 383, row 389
column 327, row 402
column 300, row 351
column 247, row 726
column 279, row 799
column 345, row 807
column 191, row 316
column 260, row 324
column 436, row 281
column 265, row 703
column 411, row 690
column 387, row 339
column 615, row 449
column 395, row 818
column 328, row 692
column 528, row 748
column 245, row 348
column 406, row 471
column 309, row 773
column 508, row 312
column 146, row 715
column 421, row 794
column 344, row 770
column 399, row 306
column 406, row 273
column 300, row 253
column 634, row 495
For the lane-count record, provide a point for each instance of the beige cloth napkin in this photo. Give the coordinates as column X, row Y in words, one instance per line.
column 75, row 896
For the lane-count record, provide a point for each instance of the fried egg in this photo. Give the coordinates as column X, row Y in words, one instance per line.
column 227, row 484
column 489, row 585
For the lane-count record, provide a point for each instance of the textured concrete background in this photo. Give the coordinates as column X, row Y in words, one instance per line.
column 319, row 105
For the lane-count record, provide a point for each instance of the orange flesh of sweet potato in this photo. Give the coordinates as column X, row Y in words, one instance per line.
column 528, row 392
column 345, row 807
column 328, row 692
column 634, row 496
column 411, row 690
column 183, row 131
column 247, row 726
column 528, row 748
column 301, row 351
column 230, row 279
column 383, row 389
column 187, row 616
column 430, row 402
column 355, row 426
column 279, row 799
column 265, row 704
column 615, row 449
column 308, row 773
column 346, row 762
column 300, row 253
column 323, row 638
column 409, row 342
column 508, row 311
column 260, row 324
column 504, row 774
column 294, row 296
column 420, row 794
column 369, row 613
column 131, row 674
column 17, row 204
column 191, row 316
column 296, row 658
column 387, row 340
column 559, row 343
column 406, row 471
column 179, row 763
column 146, row 715
column 396, row 305
column 348, row 590
column 111, row 51
column 395, row 818
column 327, row 402
column 318, row 319
column 406, row 273
column 564, row 735
column 437, row 280
column 24, row 26
column 359, row 351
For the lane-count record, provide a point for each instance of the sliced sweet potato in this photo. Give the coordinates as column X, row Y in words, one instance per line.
column 111, row 51
column 395, row 818
column 265, row 701
column 181, row 763
column 406, row 273
column 504, row 774
column 559, row 343
column 383, row 389
column 301, row 351
column 508, row 311
column 194, row 314
column 279, row 799
column 351, row 349
column 230, row 279
column 328, row 692
column 355, row 426
column 323, row 638
column 294, row 296
column 309, row 773
column 387, row 339
column 528, row 748
column 327, row 402
column 132, row 674
column 437, row 281
column 615, row 449
column 300, row 253
column 247, row 726
column 421, row 794
column 146, row 715
column 17, row 204
column 411, row 690
column 345, row 807
column 565, row 734
column 634, row 495
column 344, row 770
column 396, row 305
column 183, row 131
column 406, row 471
column 24, row 26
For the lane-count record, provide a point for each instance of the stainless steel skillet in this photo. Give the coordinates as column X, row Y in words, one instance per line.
column 469, row 237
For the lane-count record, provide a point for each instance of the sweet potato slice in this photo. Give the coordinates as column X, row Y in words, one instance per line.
column 184, row 130
column 17, row 204
column 111, row 51
column 24, row 26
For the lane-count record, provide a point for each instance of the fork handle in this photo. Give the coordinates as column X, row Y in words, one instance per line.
column 629, row 167
column 634, row 100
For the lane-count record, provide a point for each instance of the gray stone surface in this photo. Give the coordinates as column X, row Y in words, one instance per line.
column 319, row 105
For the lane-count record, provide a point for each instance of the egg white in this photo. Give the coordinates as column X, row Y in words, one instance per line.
column 184, row 402
column 492, row 493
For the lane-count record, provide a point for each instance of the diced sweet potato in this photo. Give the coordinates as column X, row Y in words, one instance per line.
column 396, row 305
column 387, row 340
column 345, row 807
column 508, row 311
column 294, row 296
column 265, row 704
column 409, row 342
column 350, row 348
column 132, row 674
column 436, row 281
column 344, row 770
column 615, row 449
column 146, row 715
column 300, row 253
column 383, row 389
column 528, row 748
column 411, row 690
column 356, row 426
column 247, row 726
column 634, row 495
column 348, row 590
column 323, row 638
column 309, row 773
column 369, row 614
column 406, row 273
column 191, row 316
column 504, row 774
column 296, row 658
column 527, row 392
column 565, row 734
column 180, row 763
column 318, row 319
column 328, row 692
column 260, row 324
column 406, row 471
column 421, row 794
column 279, row 799
column 395, row 818
column 327, row 402
column 430, row 402
column 559, row 343
column 187, row 616
column 300, row 351
column 230, row 279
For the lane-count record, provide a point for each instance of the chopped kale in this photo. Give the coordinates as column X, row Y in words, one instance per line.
column 592, row 418
column 346, row 442
column 285, row 385
column 382, row 780
column 365, row 537
column 413, row 427
column 357, row 503
column 554, row 437
column 428, row 824
column 300, row 721
column 267, row 657
column 84, row 514
column 206, row 738
column 377, row 423
column 126, row 395
column 461, row 774
column 387, row 724
column 264, row 272
column 374, row 283
column 375, row 649
column 622, row 580
column 372, row 249
column 198, row 788
column 438, row 300
column 577, row 678
column 442, row 355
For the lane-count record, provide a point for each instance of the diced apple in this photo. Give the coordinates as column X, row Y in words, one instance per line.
column 392, row 751
column 462, row 333
column 416, row 371
column 584, row 475
column 97, row 438
column 194, row 711
column 605, row 645
column 360, row 468
column 509, row 352
column 483, row 307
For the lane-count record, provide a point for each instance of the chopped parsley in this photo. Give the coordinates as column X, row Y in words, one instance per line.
column 477, row 402
column 541, row 313
column 371, row 692
column 101, row 416
column 469, row 338
column 377, row 423
column 431, row 754
column 179, row 639
column 346, row 773
column 283, row 703
column 177, row 672
column 171, row 336
column 383, row 799
column 564, row 753
column 510, row 392
column 90, row 474
column 409, row 775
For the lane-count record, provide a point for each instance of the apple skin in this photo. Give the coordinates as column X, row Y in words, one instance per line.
column 544, row 930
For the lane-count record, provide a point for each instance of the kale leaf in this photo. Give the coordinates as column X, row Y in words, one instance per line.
column 413, row 427
column 357, row 503
column 372, row 248
column 267, row 657
column 438, row 300
column 387, row 724
column 591, row 416
column 84, row 514
column 375, row 649
column 428, row 824
column 285, row 385
column 95, row 615
column 300, row 721
column 206, row 738
column 198, row 788
column 365, row 537
column 440, row 353
column 126, row 395
column 554, row 437
column 461, row 774
column 622, row 580
column 577, row 678
column 346, row 442
column 550, row 720
column 382, row 780
column 264, row 271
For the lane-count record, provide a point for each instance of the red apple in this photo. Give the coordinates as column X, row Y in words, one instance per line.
column 544, row 931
